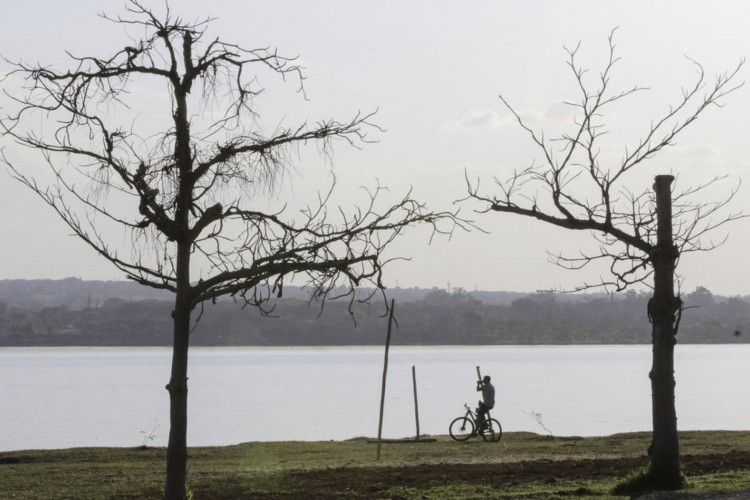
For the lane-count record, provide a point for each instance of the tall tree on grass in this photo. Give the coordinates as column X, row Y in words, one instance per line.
column 191, row 197
column 575, row 188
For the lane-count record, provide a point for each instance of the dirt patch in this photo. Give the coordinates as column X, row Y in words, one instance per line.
column 372, row 481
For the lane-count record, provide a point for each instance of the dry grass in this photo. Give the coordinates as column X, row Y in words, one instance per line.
column 520, row 465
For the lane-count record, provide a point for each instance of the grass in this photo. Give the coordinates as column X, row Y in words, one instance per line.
column 521, row 465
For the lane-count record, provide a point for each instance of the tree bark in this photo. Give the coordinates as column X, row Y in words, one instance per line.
column 664, row 452
column 176, row 481
column 175, row 486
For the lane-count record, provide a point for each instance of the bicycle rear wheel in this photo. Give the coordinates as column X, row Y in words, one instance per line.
column 492, row 431
column 461, row 428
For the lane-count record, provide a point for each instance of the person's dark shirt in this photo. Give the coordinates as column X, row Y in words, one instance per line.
column 488, row 394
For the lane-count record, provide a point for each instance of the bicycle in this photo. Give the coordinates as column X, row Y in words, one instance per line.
column 462, row 428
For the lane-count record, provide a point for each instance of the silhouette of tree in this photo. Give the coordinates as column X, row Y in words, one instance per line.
column 701, row 297
column 573, row 187
column 191, row 197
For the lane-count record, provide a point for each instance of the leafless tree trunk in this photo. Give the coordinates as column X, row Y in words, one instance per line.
column 177, row 453
column 197, row 188
column 664, row 311
column 573, row 188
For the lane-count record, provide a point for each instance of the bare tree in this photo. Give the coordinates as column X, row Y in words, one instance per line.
column 575, row 188
column 190, row 197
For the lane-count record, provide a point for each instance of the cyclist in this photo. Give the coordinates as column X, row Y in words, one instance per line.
column 488, row 400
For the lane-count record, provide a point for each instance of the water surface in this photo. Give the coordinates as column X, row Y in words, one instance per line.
column 99, row 396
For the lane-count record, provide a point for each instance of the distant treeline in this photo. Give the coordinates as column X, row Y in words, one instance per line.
column 75, row 293
column 439, row 317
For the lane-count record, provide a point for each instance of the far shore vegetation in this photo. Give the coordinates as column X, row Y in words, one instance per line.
column 97, row 313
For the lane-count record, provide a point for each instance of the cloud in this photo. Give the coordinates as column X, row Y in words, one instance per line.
column 736, row 165
column 555, row 112
column 702, row 158
column 695, row 151
column 473, row 119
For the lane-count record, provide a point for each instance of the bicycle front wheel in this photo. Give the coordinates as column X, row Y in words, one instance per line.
column 492, row 431
column 461, row 428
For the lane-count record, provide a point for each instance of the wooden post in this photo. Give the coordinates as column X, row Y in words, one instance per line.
column 416, row 402
column 385, row 372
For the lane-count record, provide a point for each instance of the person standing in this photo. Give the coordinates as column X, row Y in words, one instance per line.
column 488, row 400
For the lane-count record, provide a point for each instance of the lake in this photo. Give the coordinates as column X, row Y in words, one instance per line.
column 98, row 396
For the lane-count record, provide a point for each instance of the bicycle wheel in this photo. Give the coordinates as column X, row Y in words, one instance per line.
column 492, row 432
column 461, row 428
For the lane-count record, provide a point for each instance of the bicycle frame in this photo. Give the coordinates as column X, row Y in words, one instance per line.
column 466, row 426
column 473, row 415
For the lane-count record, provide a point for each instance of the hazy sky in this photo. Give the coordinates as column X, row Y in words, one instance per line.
column 433, row 70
